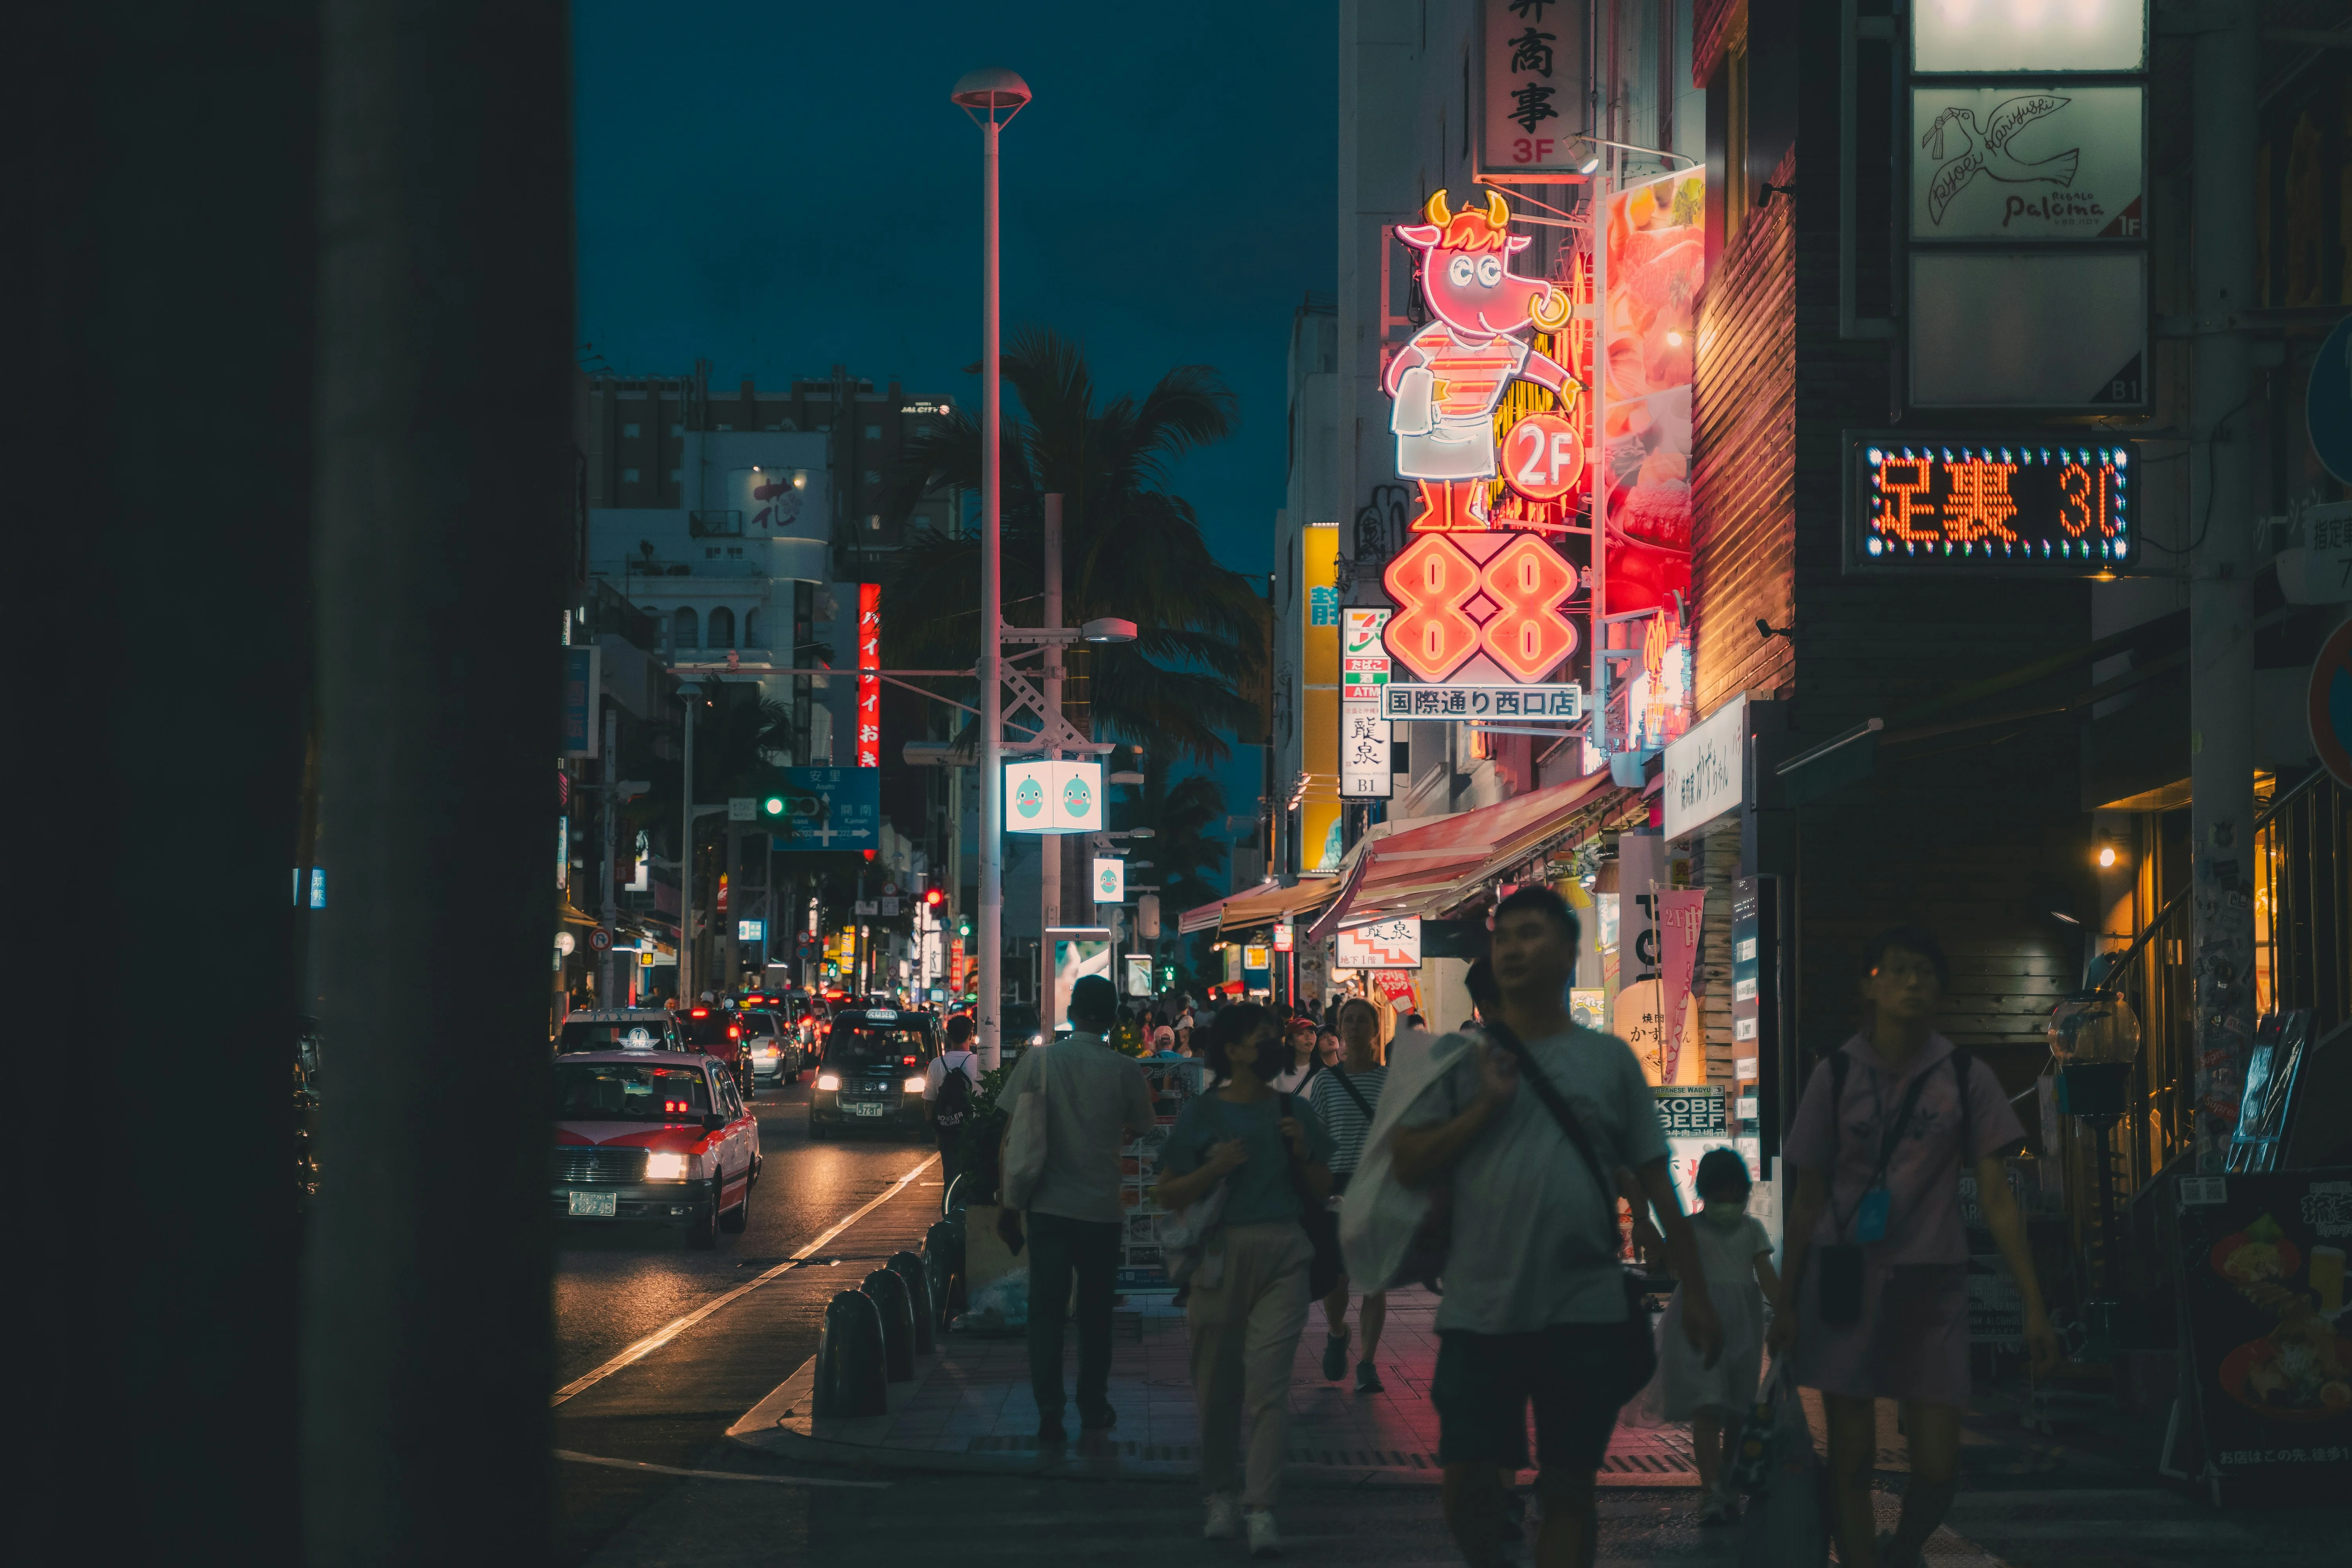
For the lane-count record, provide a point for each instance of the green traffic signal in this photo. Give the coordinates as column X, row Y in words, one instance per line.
column 773, row 806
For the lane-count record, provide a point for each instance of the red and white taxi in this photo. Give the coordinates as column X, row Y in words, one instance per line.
column 653, row 1135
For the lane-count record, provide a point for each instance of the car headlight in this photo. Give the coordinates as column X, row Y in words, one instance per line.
column 665, row 1167
column 828, row 1082
column 914, row 1086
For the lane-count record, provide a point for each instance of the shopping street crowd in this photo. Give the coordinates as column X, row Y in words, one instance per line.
column 1490, row 1162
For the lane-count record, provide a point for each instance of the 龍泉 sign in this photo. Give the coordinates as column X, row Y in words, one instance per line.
column 1382, row 945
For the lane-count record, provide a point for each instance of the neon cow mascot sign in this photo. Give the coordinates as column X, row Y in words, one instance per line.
column 1475, row 598
column 1447, row 381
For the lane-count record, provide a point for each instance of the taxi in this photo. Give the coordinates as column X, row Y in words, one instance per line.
column 871, row 1075
column 654, row 1136
column 619, row 1029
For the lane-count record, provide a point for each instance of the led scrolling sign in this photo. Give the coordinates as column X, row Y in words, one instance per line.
column 1973, row 502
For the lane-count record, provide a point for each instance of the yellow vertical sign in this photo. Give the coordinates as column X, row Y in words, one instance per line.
column 1318, row 664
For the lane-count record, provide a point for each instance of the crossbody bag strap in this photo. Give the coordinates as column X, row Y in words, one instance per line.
column 1889, row 1137
column 1560, row 1111
column 1353, row 1092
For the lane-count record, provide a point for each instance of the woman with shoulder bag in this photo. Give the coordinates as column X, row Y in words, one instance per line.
column 1873, row 1303
column 1248, row 1303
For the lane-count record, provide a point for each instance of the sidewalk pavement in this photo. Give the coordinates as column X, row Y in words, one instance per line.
column 969, row 1408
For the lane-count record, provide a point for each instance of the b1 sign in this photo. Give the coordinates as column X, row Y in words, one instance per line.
column 1384, row 944
column 1052, row 797
column 1707, row 771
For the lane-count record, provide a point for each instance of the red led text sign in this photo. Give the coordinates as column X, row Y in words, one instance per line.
column 2041, row 503
column 869, row 686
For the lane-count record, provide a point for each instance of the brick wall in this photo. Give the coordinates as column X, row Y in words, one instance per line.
column 1743, row 473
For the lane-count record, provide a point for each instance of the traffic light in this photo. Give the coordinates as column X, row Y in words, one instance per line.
column 773, row 806
column 963, row 925
column 933, row 897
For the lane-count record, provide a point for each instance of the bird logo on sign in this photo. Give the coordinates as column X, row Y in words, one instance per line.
column 1987, row 151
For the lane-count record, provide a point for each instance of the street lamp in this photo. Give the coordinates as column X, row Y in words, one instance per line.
column 992, row 97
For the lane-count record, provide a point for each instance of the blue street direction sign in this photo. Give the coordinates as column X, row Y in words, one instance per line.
column 827, row 808
column 2327, row 401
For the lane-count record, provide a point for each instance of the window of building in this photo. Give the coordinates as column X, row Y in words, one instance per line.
column 722, row 627
column 676, row 429
column 631, row 431
column 751, row 637
column 734, row 552
column 874, row 432
column 711, row 553
column 628, row 476
column 678, row 476
column 682, row 630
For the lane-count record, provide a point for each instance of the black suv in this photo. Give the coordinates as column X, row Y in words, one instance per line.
column 871, row 1075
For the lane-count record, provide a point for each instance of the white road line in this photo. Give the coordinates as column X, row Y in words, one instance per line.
column 713, row 1475
column 670, row 1331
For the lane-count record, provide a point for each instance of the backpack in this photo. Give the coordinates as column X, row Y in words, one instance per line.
column 954, row 1099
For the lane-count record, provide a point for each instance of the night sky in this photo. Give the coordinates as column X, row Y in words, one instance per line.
column 779, row 188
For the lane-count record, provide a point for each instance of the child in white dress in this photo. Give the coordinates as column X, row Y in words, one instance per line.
column 1738, row 1258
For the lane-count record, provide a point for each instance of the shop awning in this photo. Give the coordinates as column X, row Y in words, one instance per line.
column 1426, row 870
column 1266, row 902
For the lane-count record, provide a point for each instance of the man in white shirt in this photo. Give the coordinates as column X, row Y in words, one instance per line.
column 948, row 1116
column 1096, row 1099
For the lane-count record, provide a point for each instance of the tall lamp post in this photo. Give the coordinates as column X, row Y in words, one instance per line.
column 992, row 97
column 691, row 695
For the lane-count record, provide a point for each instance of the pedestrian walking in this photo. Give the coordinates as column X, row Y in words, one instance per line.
column 1096, row 1099
column 1296, row 1056
column 1346, row 1098
column 948, row 1086
column 1248, row 1301
column 1736, row 1256
column 1531, row 1123
column 1873, row 1301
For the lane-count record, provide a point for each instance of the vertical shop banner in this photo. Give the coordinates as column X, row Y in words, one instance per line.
column 1364, row 735
column 869, row 686
column 582, row 671
column 1681, row 910
column 1531, row 93
column 1320, row 833
column 1657, row 254
column 2261, row 1279
column 1639, row 1011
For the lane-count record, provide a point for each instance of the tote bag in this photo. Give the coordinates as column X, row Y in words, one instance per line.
column 1025, row 1139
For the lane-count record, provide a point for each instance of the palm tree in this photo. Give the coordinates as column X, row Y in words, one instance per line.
column 1130, row 548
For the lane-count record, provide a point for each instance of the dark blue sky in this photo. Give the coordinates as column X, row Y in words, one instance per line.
column 780, row 188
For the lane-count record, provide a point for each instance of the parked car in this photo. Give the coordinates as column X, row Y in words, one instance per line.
column 656, row 1138
column 619, row 1029
column 872, row 1073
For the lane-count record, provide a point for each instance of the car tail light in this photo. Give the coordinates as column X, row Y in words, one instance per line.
column 905, row 1061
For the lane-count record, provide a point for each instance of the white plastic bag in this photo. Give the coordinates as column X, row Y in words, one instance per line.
column 1024, row 1138
column 1184, row 1239
column 1379, row 1213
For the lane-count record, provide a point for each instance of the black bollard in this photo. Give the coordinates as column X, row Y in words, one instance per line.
column 943, row 1261
column 898, row 1309
column 851, row 1359
column 909, row 1269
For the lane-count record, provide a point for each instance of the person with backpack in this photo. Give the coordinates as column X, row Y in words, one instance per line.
column 1873, row 1297
column 947, row 1085
column 1346, row 1096
column 1530, row 1125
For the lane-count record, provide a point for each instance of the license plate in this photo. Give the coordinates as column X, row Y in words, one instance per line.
column 597, row 1205
column 866, row 1110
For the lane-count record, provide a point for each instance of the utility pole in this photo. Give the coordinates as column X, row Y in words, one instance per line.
column 691, row 694
column 2221, row 591
column 1049, row 845
column 609, row 911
